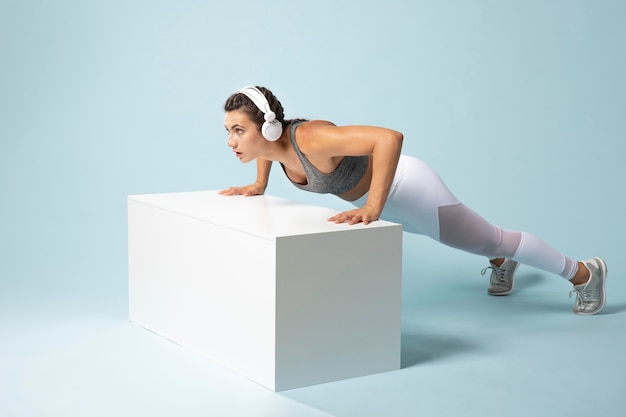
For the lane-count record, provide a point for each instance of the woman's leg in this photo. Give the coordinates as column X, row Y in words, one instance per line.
column 423, row 204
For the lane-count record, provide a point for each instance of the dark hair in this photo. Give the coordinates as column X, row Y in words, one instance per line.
column 239, row 101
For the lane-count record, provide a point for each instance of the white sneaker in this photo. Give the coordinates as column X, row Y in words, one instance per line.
column 591, row 296
column 501, row 281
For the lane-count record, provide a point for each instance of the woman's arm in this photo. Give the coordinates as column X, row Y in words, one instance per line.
column 263, row 167
column 383, row 144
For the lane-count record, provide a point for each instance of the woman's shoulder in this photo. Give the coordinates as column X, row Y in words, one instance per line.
column 312, row 136
column 312, row 124
column 309, row 129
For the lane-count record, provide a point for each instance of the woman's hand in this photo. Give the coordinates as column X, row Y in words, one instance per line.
column 246, row 190
column 365, row 215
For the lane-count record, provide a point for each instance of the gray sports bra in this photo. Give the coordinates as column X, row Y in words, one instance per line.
column 344, row 178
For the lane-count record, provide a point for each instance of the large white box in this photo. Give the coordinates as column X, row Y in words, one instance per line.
column 266, row 287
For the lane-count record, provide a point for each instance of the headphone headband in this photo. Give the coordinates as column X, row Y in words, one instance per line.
column 257, row 97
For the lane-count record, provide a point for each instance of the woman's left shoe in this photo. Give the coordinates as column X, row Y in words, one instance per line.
column 501, row 281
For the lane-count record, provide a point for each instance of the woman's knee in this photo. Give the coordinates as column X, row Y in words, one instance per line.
column 462, row 228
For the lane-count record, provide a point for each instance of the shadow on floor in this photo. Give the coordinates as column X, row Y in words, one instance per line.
column 528, row 280
column 419, row 348
column 612, row 309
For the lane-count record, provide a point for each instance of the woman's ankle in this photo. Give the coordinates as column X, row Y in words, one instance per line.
column 581, row 276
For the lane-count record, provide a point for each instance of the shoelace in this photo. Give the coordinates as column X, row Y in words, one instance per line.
column 587, row 297
column 498, row 270
column 583, row 295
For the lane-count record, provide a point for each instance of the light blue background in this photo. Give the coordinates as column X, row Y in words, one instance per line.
column 518, row 105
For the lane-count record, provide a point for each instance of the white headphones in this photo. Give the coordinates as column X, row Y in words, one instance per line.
column 272, row 128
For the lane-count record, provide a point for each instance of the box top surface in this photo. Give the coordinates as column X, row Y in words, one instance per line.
column 264, row 216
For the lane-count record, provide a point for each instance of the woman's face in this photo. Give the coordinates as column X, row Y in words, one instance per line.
column 243, row 136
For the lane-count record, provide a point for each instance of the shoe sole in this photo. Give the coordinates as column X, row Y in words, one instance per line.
column 604, row 273
column 497, row 294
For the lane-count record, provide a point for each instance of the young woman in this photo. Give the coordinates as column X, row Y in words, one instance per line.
column 363, row 165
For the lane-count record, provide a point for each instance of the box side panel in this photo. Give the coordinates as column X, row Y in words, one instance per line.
column 205, row 287
column 338, row 305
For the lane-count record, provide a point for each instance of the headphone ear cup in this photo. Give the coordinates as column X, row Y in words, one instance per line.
column 272, row 130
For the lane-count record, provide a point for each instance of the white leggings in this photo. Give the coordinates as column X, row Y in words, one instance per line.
column 421, row 202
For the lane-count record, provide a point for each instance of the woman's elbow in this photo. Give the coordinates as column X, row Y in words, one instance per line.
column 397, row 137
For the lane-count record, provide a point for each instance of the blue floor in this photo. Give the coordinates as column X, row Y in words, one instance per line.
column 463, row 354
